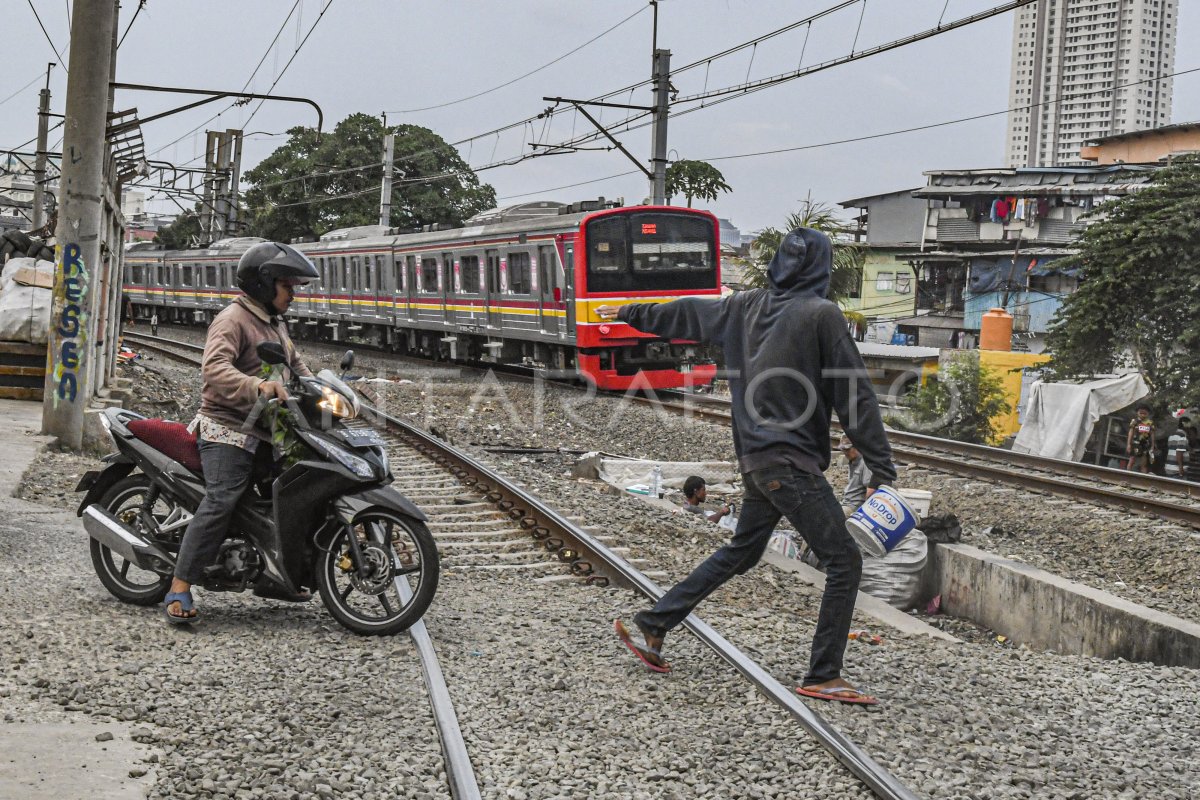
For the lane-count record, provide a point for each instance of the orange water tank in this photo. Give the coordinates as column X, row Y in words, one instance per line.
column 995, row 332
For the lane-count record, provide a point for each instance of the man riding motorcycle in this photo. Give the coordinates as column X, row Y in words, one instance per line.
column 232, row 446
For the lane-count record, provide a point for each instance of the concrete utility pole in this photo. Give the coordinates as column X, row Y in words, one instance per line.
column 385, row 194
column 71, row 368
column 208, row 203
column 39, row 165
column 658, row 135
column 235, row 180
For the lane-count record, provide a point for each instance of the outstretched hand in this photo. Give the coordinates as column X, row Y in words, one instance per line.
column 607, row 312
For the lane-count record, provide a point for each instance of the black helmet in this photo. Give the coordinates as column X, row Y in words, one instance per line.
column 267, row 262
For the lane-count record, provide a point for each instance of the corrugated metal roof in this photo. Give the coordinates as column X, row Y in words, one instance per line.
column 901, row 351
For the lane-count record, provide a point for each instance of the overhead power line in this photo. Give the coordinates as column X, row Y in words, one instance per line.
column 957, row 121
column 36, row 78
column 527, row 74
column 249, row 80
column 133, row 19
column 47, row 35
column 295, row 53
column 868, row 137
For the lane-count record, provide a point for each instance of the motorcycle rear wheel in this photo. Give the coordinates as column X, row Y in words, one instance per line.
column 124, row 579
column 401, row 579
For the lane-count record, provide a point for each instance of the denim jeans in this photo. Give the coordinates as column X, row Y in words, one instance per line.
column 227, row 473
column 810, row 505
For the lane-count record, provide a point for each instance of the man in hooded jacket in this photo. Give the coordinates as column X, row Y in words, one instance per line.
column 791, row 363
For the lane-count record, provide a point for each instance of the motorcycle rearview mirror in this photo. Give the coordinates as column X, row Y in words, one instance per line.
column 347, row 361
column 271, row 353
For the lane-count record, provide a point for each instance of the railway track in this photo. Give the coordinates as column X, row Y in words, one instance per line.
column 1166, row 498
column 484, row 522
column 182, row 351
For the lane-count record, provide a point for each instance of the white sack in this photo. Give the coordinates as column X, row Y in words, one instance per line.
column 896, row 578
column 624, row 472
column 24, row 310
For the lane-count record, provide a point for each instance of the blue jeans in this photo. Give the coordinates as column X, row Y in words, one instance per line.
column 227, row 473
column 810, row 505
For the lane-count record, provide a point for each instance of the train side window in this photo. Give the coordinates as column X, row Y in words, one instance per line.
column 368, row 266
column 429, row 275
column 519, row 275
column 344, row 278
column 469, row 267
column 210, row 276
column 354, row 281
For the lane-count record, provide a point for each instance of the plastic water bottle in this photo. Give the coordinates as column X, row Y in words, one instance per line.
column 656, row 486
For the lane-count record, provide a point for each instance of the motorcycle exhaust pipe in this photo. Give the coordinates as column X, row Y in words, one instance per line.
column 122, row 540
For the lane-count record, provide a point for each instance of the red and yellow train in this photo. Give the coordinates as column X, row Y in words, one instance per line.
column 518, row 285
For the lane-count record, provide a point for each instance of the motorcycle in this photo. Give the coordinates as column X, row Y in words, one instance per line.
column 328, row 518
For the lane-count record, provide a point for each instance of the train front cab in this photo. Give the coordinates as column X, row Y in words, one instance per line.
column 643, row 254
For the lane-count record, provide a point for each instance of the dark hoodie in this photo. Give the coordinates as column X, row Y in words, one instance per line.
column 791, row 362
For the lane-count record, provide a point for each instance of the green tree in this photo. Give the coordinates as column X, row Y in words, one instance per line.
column 848, row 256
column 311, row 185
column 959, row 404
column 695, row 179
column 181, row 234
column 1140, row 263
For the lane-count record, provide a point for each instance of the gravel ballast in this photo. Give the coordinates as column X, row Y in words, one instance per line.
column 967, row 720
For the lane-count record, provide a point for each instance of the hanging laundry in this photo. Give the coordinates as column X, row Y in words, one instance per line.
column 1043, row 207
column 1000, row 210
column 1019, row 212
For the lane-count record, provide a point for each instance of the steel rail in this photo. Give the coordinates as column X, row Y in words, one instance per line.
column 460, row 773
column 1094, row 471
column 160, row 345
column 1059, row 477
column 602, row 561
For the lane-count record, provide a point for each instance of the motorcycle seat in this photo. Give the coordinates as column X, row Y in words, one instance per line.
column 172, row 439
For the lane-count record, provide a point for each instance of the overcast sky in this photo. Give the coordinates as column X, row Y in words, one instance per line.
column 390, row 56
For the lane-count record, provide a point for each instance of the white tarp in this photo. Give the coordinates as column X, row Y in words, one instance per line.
column 626, row 472
column 1060, row 416
column 25, row 310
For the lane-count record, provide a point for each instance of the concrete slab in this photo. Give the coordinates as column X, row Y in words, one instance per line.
column 20, row 436
column 62, row 760
column 1046, row 611
column 872, row 607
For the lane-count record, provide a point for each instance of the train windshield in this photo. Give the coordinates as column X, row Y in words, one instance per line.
column 652, row 250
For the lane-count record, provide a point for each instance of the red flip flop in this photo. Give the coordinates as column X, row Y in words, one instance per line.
column 831, row 693
column 649, row 656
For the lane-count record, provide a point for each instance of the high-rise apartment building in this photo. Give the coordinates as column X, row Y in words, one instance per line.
column 1084, row 69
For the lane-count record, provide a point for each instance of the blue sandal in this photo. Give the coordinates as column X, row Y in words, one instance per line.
column 186, row 604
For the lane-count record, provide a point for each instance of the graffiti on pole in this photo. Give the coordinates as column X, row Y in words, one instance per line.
column 71, row 325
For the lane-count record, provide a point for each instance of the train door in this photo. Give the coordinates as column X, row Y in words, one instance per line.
column 494, row 291
column 447, row 280
column 411, row 287
column 370, row 286
column 549, row 291
column 568, row 293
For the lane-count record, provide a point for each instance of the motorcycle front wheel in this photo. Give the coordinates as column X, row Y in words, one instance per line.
column 395, row 582
column 124, row 579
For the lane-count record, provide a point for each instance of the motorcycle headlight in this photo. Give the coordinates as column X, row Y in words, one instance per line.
column 359, row 466
column 336, row 404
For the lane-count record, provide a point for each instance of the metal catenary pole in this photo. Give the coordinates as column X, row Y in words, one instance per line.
column 385, row 194
column 662, row 94
column 39, row 165
column 70, row 375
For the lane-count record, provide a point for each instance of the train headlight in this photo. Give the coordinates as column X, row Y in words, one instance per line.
column 336, row 404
